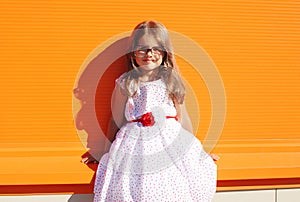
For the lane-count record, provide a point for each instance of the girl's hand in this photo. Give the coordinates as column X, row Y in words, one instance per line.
column 89, row 159
column 214, row 157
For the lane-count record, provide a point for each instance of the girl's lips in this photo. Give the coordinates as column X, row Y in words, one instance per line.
column 148, row 60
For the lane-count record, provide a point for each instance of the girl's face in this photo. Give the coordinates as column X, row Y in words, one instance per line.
column 148, row 53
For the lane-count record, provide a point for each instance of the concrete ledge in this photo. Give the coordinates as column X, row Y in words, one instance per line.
column 273, row 195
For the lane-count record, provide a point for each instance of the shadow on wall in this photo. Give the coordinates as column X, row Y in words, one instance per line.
column 93, row 91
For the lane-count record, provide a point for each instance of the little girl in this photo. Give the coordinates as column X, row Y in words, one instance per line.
column 155, row 156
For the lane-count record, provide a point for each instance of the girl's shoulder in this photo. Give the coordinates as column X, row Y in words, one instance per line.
column 120, row 81
column 120, row 78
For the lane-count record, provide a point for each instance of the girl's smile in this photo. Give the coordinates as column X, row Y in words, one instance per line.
column 149, row 60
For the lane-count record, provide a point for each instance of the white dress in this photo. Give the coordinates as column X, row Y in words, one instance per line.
column 163, row 162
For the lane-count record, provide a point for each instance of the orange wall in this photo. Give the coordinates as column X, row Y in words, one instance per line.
column 254, row 44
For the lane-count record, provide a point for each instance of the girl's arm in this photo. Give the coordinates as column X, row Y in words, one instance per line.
column 117, row 118
column 118, row 109
column 183, row 116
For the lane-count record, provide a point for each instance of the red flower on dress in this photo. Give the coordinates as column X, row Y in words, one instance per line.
column 147, row 119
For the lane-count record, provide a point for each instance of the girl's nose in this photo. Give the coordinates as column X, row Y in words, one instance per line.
column 149, row 53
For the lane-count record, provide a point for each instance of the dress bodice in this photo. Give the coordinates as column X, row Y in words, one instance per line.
column 150, row 95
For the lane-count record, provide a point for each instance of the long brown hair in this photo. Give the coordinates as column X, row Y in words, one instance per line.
column 167, row 71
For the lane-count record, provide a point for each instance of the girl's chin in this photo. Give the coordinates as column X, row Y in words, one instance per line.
column 149, row 66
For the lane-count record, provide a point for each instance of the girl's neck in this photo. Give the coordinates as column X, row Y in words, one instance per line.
column 148, row 76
